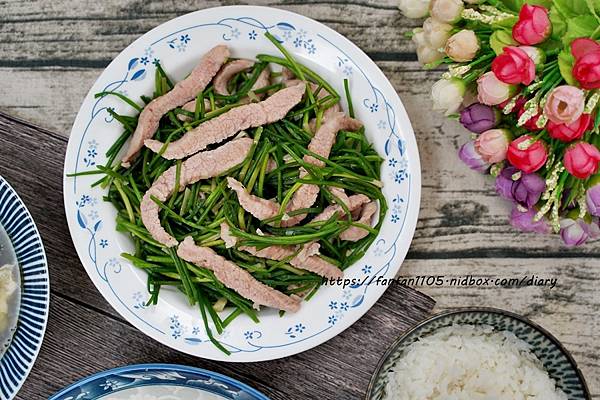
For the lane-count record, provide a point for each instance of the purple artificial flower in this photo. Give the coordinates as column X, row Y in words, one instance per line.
column 479, row 118
column 592, row 198
column 472, row 158
column 595, row 228
column 574, row 232
column 504, row 183
column 523, row 220
column 526, row 190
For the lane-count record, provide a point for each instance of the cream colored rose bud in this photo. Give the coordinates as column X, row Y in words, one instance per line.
column 462, row 46
column 414, row 8
column 448, row 11
column 425, row 53
column 436, row 32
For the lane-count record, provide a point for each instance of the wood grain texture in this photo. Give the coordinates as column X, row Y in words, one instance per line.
column 53, row 51
column 97, row 342
column 85, row 335
column 569, row 310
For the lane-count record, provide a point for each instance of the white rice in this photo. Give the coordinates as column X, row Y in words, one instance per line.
column 466, row 362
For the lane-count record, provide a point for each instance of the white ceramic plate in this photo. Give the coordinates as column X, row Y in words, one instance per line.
column 179, row 44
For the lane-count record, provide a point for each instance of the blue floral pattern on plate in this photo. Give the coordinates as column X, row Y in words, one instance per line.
column 169, row 322
column 137, row 378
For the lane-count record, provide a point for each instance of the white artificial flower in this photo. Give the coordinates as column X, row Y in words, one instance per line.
column 414, row 8
column 425, row 53
column 447, row 95
column 448, row 11
column 436, row 33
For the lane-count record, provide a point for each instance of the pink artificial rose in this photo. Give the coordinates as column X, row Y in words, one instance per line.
column 492, row 145
column 533, row 26
column 582, row 159
column 492, row 91
column 565, row 104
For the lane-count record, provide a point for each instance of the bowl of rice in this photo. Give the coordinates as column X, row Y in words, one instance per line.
column 477, row 353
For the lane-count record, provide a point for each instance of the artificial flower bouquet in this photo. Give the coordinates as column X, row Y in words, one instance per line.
column 534, row 69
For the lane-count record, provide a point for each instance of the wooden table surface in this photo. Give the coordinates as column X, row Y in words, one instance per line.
column 52, row 52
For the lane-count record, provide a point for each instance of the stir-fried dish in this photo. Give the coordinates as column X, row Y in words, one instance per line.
column 243, row 185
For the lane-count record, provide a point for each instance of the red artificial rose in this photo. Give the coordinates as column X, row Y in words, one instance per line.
column 527, row 156
column 587, row 62
column 582, row 46
column 514, row 66
column 581, row 159
column 533, row 26
column 572, row 131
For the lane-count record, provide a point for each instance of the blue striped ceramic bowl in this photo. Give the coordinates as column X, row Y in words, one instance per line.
column 16, row 363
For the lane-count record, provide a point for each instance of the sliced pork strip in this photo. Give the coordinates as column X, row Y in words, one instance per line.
column 354, row 203
column 340, row 194
column 226, row 236
column 228, row 124
column 311, row 263
column 271, row 165
column 287, row 75
column 260, row 208
column 263, row 80
column 309, row 250
column 355, row 233
column 320, row 144
column 304, row 197
column 236, row 278
column 228, row 71
column 319, row 266
column 324, row 138
column 183, row 92
column 201, row 166
column 191, row 107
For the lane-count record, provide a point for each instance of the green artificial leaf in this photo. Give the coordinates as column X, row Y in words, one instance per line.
column 516, row 5
column 594, row 7
column 559, row 26
column 580, row 26
column 500, row 39
column 572, row 8
column 565, row 65
column 506, row 23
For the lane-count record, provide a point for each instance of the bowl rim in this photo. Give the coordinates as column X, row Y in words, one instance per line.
column 467, row 310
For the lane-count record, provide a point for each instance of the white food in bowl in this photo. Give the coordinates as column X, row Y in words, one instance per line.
column 466, row 362
column 9, row 302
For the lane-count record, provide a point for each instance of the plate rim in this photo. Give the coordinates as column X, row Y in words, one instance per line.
column 46, row 273
column 159, row 366
column 412, row 210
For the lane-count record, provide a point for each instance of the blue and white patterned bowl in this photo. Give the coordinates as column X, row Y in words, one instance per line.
column 556, row 359
column 18, row 360
column 179, row 44
column 158, row 382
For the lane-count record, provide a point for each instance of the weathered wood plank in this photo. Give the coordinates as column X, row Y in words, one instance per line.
column 88, row 33
column 569, row 310
column 96, row 342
